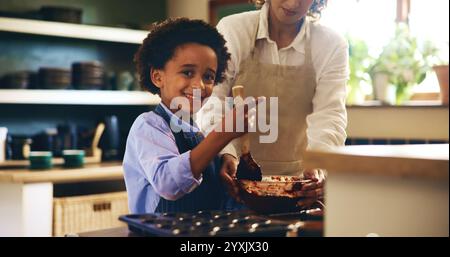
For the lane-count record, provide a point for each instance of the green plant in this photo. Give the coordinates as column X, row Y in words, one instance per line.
column 405, row 62
column 359, row 62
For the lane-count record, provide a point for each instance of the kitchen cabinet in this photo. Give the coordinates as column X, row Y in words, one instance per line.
column 385, row 190
column 26, row 197
column 55, row 43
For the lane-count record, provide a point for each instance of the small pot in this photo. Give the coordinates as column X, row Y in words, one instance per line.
column 40, row 160
column 442, row 75
column 73, row 158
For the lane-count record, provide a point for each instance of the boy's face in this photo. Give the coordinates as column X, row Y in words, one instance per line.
column 193, row 67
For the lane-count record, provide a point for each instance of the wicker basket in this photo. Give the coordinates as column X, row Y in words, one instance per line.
column 91, row 212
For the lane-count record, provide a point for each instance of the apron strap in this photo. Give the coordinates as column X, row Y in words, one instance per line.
column 179, row 137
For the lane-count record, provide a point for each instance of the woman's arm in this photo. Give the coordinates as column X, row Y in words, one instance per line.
column 327, row 123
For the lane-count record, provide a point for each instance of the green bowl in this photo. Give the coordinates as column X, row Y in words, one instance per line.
column 40, row 160
column 73, row 158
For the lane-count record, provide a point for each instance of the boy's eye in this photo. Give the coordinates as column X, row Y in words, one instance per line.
column 188, row 73
column 209, row 79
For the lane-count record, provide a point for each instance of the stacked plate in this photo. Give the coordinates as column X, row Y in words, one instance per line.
column 54, row 78
column 19, row 80
column 88, row 75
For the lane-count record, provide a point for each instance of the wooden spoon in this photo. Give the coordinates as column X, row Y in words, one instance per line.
column 247, row 167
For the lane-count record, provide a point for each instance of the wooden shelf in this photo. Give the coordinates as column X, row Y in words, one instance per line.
column 77, row 97
column 69, row 30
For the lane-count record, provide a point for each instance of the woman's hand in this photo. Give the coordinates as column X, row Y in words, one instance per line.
column 313, row 191
column 228, row 175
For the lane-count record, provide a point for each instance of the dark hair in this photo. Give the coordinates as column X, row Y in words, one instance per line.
column 316, row 8
column 160, row 44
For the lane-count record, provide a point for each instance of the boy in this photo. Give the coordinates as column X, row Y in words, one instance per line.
column 168, row 170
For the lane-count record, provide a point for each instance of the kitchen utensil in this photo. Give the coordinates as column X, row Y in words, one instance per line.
column 45, row 141
column 247, row 167
column 20, row 146
column 110, row 140
column 94, row 151
column 205, row 223
column 40, row 160
column 273, row 194
column 67, row 138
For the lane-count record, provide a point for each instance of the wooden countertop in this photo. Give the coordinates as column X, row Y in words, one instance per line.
column 425, row 161
column 91, row 172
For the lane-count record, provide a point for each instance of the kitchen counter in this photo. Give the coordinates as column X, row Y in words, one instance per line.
column 422, row 161
column 59, row 174
column 26, row 196
column 385, row 190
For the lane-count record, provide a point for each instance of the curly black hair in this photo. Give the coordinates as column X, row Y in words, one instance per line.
column 160, row 44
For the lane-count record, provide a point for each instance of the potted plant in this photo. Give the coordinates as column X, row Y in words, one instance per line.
column 439, row 63
column 359, row 63
column 442, row 75
column 403, row 63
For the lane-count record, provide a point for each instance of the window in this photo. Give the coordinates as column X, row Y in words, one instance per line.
column 368, row 20
column 429, row 20
column 374, row 22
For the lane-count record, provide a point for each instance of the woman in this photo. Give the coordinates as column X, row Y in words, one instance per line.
column 281, row 51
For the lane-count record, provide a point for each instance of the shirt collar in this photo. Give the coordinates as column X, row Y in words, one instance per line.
column 263, row 30
column 185, row 126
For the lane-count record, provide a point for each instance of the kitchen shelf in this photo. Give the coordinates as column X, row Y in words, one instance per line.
column 77, row 97
column 70, row 30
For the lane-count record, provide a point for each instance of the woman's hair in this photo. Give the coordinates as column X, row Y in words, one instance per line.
column 314, row 11
column 161, row 43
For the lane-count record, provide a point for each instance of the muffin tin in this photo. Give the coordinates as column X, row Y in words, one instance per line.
column 205, row 223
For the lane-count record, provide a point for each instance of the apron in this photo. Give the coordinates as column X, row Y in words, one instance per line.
column 210, row 194
column 295, row 87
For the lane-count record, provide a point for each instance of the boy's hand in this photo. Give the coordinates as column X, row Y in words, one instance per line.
column 228, row 175
column 237, row 122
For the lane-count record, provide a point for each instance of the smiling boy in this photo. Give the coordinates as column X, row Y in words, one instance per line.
column 169, row 166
